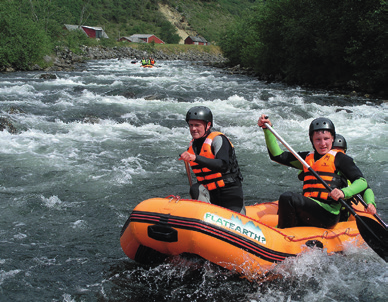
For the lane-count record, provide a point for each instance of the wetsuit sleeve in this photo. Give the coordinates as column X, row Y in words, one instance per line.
column 348, row 168
column 221, row 149
column 278, row 155
column 369, row 196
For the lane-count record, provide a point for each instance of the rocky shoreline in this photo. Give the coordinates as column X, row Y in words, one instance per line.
column 66, row 60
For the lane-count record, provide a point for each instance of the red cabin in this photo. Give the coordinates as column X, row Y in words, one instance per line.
column 197, row 40
column 142, row 38
column 94, row 32
column 90, row 31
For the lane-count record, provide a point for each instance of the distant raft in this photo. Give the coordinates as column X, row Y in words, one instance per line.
column 247, row 244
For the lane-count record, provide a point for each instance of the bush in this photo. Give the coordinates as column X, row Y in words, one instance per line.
column 108, row 42
column 22, row 42
column 75, row 38
column 147, row 47
column 168, row 33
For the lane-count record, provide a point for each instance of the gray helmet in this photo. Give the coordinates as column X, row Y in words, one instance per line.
column 200, row 113
column 321, row 123
column 340, row 142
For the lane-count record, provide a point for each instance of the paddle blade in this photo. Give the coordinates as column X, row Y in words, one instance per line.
column 375, row 235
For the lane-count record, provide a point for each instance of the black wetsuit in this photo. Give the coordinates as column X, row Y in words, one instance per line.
column 298, row 210
column 231, row 195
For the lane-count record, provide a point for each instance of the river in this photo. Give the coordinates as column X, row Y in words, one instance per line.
column 93, row 143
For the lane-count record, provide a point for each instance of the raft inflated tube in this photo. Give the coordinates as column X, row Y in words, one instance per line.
column 248, row 244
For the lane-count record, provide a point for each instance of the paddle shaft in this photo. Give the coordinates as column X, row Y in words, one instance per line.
column 188, row 172
column 344, row 203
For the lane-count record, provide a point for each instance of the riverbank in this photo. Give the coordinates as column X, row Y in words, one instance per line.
column 65, row 59
column 347, row 89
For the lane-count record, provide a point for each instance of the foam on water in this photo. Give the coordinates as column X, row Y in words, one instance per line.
column 52, row 201
column 305, row 278
column 26, row 90
column 91, row 145
column 64, row 82
column 10, row 274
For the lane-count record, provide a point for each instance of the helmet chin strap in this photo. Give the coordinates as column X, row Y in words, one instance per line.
column 207, row 131
column 311, row 140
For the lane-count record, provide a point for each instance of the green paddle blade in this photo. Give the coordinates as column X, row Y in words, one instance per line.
column 375, row 235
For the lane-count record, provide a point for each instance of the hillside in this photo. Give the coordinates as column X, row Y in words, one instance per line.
column 178, row 21
column 185, row 17
column 32, row 29
column 206, row 18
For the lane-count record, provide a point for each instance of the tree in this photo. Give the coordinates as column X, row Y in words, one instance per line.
column 168, row 33
column 85, row 14
column 23, row 42
column 314, row 42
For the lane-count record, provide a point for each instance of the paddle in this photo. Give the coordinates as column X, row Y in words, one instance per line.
column 188, row 172
column 371, row 231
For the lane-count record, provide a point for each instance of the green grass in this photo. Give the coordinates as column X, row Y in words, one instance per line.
column 174, row 48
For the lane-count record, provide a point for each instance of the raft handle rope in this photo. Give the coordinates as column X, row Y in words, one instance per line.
column 325, row 235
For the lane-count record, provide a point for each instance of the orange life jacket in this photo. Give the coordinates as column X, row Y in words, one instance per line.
column 210, row 179
column 339, row 150
column 326, row 169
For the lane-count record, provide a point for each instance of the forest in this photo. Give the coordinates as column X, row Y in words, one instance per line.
column 309, row 42
column 314, row 42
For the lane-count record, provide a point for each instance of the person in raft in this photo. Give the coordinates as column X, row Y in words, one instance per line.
column 368, row 195
column 212, row 158
column 317, row 206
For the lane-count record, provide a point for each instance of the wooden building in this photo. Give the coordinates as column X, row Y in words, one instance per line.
column 142, row 38
column 196, row 40
column 90, row 31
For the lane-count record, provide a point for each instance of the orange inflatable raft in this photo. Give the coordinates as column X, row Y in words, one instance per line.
column 247, row 244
